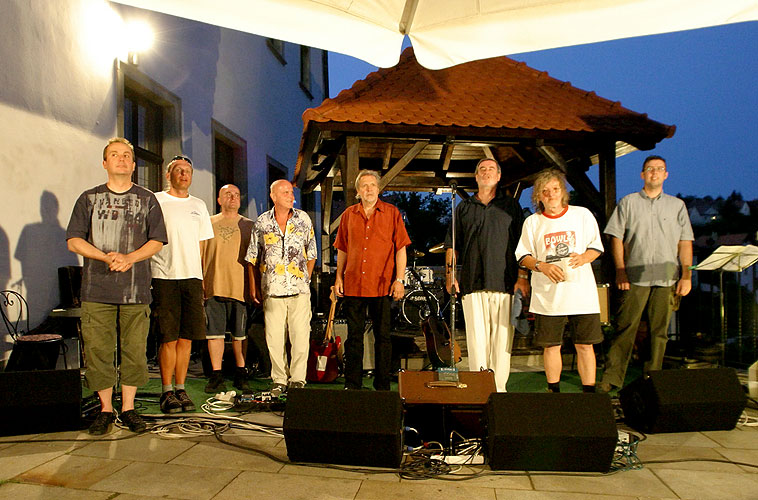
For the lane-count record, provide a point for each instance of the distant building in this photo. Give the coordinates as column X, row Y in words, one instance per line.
column 232, row 101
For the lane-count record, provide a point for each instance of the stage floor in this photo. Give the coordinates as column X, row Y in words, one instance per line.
column 120, row 465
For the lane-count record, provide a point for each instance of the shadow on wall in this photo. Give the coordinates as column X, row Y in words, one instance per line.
column 5, row 277
column 42, row 250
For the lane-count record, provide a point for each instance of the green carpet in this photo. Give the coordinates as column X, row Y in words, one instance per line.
column 148, row 395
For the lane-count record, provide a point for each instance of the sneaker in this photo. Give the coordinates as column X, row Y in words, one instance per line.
column 169, row 403
column 215, row 383
column 240, row 380
column 133, row 420
column 296, row 385
column 184, row 400
column 102, row 423
column 277, row 390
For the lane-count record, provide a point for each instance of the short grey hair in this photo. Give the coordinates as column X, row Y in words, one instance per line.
column 364, row 173
column 476, row 169
column 273, row 185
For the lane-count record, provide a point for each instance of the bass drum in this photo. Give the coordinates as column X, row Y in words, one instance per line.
column 415, row 307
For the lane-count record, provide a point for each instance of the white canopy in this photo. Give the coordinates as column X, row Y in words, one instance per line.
column 449, row 32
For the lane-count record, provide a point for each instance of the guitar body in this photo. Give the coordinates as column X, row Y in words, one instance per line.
column 439, row 344
column 325, row 357
column 323, row 360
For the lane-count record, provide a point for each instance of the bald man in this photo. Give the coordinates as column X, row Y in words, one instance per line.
column 226, row 287
column 283, row 252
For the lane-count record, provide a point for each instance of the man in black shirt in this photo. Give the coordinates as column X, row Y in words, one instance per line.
column 488, row 227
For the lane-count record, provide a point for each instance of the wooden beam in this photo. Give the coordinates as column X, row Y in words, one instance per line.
column 326, row 216
column 335, row 225
column 583, row 185
column 401, row 163
column 488, row 153
column 350, row 170
column 446, row 155
column 607, row 178
column 554, row 157
column 387, row 156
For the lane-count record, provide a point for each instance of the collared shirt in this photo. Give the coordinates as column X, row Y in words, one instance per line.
column 485, row 239
column 651, row 229
column 283, row 258
column 370, row 245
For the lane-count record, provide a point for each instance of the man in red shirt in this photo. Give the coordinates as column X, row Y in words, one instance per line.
column 371, row 260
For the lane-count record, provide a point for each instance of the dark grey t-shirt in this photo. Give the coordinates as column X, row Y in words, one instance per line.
column 117, row 222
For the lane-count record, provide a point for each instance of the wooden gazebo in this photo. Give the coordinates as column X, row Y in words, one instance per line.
column 426, row 129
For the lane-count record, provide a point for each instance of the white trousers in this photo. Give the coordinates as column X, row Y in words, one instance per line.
column 489, row 333
column 283, row 315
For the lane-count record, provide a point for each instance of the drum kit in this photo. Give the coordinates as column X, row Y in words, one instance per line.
column 415, row 307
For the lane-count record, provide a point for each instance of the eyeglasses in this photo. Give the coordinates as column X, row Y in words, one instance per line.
column 655, row 169
column 181, row 157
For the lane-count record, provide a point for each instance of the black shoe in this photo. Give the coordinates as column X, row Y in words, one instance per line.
column 184, row 400
column 240, row 380
column 216, row 383
column 169, row 403
column 133, row 420
column 296, row 385
column 102, row 423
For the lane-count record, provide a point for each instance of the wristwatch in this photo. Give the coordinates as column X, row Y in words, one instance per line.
column 537, row 266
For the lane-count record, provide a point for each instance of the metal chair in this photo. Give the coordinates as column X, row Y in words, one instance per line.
column 30, row 351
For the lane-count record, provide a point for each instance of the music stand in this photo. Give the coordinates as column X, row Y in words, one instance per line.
column 732, row 258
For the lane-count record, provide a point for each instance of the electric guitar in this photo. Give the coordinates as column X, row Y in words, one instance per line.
column 324, row 358
column 440, row 344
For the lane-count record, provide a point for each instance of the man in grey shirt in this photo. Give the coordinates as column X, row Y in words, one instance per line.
column 651, row 244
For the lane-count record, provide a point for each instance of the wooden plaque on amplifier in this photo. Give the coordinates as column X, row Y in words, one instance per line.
column 474, row 388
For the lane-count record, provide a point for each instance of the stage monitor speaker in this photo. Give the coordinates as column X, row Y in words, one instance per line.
column 344, row 427
column 685, row 400
column 550, row 432
column 40, row 401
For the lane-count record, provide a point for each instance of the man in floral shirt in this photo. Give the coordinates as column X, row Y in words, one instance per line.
column 283, row 252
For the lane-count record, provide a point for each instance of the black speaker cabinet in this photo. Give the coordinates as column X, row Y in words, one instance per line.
column 40, row 401
column 550, row 432
column 684, row 400
column 344, row 427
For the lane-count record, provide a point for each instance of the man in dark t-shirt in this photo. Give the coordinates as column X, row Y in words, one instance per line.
column 116, row 227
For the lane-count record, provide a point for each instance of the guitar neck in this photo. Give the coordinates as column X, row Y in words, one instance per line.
column 330, row 321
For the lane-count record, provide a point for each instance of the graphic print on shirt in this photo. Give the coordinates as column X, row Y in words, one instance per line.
column 559, row 245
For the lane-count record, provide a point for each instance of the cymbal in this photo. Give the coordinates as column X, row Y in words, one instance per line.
column 415, row 254
column 438, row 248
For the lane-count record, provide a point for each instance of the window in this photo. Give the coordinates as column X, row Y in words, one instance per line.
column 230, row 162
column 148, row 116
column 305, row 70
column 277, row 48
column 143, row 127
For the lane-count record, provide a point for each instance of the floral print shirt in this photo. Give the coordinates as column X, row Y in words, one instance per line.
column 282, row 258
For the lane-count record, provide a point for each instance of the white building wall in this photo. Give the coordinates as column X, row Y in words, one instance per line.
column 58, row 106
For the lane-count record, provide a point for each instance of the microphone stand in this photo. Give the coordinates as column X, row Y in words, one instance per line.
column 454, row 297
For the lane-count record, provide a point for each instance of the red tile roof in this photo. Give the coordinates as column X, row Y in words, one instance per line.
column 496, row 93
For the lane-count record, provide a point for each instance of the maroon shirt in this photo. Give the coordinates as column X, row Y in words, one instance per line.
column 370, row 245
